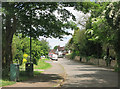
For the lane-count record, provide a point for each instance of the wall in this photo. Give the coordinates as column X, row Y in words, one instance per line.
column 101, row 62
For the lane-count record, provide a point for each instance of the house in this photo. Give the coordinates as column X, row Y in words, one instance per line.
column 60, row 51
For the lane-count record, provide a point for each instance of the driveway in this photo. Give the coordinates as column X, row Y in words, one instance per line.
column 84, row 75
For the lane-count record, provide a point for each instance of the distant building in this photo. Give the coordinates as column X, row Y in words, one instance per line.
column 60, row 51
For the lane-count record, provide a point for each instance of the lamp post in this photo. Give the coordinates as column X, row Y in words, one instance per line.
column 30, row 45
column 29, row 65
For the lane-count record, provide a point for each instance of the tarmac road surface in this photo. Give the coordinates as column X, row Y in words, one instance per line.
column 84, row 75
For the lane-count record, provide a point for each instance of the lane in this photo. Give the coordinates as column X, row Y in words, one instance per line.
column 84, row 75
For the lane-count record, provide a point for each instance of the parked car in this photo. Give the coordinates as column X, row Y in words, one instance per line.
column 60, row 56
column 55, row 57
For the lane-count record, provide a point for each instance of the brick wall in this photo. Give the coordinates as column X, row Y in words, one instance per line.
column 77, row 58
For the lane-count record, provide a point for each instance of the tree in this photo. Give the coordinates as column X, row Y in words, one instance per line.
column 35, row 19
column 100, row 31
column 83, row 47
column 21, row 46
column 55, row 47
column 104, row 27
column 93, row 37
column 112, row 14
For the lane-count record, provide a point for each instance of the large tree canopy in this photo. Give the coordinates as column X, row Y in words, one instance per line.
column 39, row 17
column 102, row 27
column 32, row 18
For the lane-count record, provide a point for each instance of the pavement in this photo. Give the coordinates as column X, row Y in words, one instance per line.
column 51, row 77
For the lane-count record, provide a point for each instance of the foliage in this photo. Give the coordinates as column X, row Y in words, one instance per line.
column 72, row 55
column 55, row 47
column 31, row 19
column 103, row 26
column 38, row 14
column 22, row 47
column 102, row 30
column 112, row 14
column 81, row 46
column 69, row 45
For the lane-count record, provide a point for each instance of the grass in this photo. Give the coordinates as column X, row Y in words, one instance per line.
column 6, row 81
column 42, row 64
column 22, row 74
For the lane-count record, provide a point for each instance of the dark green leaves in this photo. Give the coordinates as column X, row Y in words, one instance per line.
column 39, row 17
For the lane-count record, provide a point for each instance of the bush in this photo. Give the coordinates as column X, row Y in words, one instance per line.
column 88, row 58
column 116, row 68
column 21, row 46
column 72, row 56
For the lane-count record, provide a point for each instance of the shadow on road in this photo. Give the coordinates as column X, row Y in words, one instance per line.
column 86, row 75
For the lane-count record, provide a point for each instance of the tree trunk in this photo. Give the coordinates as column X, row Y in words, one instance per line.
column 117, row 48
column 7, row 42
column 107, row 59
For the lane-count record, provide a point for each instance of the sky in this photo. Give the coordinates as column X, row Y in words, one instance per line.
column 55, row 41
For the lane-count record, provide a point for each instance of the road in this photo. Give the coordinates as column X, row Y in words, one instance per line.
column 84, row 75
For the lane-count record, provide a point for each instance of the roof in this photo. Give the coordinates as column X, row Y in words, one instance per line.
column 52, row 50
column 61, row 48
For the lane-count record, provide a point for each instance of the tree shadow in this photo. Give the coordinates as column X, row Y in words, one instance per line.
column 44, row 78
column 94, row 78
column 87, row 75
column 94, row 69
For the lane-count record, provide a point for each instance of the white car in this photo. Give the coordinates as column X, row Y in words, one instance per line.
column 55, row 57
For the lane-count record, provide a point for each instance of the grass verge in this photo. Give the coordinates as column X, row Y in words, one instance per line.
column 6, row 82
column 42, row 64
column 22, row 76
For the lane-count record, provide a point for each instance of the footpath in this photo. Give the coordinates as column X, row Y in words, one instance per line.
column 52, row 77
